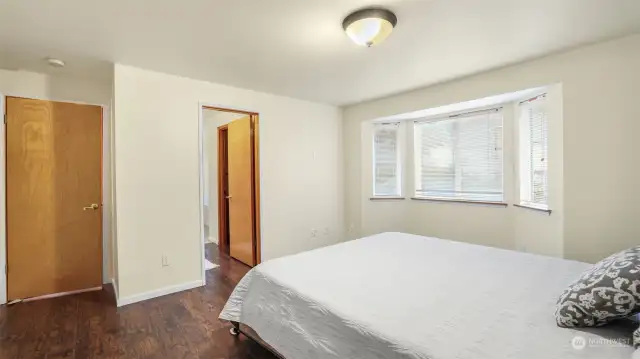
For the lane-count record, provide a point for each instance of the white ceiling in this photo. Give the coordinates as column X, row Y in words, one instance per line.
column 297, row 47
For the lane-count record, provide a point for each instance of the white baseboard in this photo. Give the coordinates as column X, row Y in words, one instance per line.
column 213, row 240
column 159, row 292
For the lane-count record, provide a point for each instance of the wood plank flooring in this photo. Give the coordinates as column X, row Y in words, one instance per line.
column 182, row 325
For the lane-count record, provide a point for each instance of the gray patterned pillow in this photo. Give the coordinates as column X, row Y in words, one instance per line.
column 608, row 291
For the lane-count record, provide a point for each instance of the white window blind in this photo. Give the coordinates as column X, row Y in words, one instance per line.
column 460, row 157
column 386, row 160
column 533, row 153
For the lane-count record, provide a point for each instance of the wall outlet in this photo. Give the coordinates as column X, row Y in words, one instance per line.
column 165, row 261
column 314, row 233
column 351, row 228
column 326, row 231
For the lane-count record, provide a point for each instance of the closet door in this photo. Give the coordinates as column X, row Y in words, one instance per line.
column 54, row 211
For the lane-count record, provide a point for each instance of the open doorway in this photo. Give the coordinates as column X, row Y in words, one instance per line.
column 231, row 190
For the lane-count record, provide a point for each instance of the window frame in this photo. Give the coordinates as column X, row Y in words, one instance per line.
column 523, row 153
column 452, row 116
column 399, row 162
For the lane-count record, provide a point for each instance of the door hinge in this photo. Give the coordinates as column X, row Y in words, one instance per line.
column 5, row 118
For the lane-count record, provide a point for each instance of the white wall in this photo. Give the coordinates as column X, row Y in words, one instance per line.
column 600, row 123
column 211, row 121
column 47, row 87
column 157, row 175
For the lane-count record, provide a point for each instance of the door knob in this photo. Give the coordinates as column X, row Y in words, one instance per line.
column 93, row 207
column 229, row 197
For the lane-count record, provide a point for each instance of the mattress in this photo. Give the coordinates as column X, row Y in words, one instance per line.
column 396, row 295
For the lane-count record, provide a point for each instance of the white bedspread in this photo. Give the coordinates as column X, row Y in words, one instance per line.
column 396, row 295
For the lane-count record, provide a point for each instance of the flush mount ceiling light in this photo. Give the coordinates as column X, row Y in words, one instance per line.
column 55, row 62
column 368, row 27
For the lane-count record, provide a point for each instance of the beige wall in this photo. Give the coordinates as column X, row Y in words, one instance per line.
column 41, row 86
column 600, row 123
column 57, row 88
column 157, row 175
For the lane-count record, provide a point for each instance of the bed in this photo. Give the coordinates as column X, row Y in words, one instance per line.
column 398, row 296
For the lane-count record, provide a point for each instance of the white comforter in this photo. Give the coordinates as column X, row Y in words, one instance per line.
column 397, row 295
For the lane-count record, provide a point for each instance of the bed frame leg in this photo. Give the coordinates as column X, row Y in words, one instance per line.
column 235, row 329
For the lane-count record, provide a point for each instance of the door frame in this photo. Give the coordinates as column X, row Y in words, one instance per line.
column 257, row 230
column 3, row 206
column 223, row 206
column 105, row 220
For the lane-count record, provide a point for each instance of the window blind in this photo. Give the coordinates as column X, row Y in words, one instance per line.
column 460, row 157
column 534, row 150
column 386, row 160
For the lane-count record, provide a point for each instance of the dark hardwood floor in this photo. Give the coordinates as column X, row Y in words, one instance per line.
column 182, row 325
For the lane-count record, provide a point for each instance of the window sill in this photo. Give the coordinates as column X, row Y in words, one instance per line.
column 445, row 200
column 547, row 211
column 387, row 198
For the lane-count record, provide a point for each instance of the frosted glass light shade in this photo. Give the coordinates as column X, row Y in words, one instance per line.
column 369, row 27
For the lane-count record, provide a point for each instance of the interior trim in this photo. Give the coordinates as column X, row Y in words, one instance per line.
column 387, row 198
column 226, row 109
column 223, row 240
column 547, row 211
column 3, row 216
column 443, row 200
column 159, row 292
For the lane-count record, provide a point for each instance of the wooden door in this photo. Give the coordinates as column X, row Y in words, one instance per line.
column 240, row 152
column 54, row 202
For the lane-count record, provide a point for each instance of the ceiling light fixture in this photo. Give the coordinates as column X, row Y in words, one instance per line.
column 368, row 27
column 55, row 62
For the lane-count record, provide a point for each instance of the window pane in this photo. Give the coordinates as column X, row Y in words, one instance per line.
column 437, row 172
column 461, row 158
column 386, row 176
column 534, row 187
